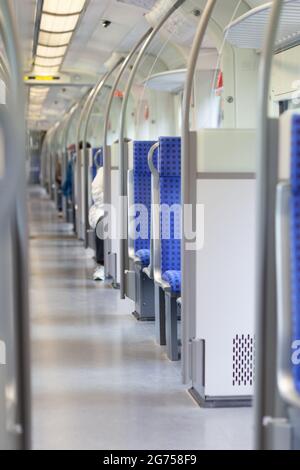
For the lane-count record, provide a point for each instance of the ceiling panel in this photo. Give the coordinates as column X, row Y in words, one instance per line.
column 92, row 45
column 25, row 11
column 92, row 39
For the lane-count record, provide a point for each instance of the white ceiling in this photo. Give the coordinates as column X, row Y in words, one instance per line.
column 25, row 10
column 92, row 45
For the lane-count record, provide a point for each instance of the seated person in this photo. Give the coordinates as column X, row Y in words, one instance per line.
column 95, row 215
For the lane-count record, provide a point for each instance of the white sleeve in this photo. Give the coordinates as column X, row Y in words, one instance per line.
column 97, row 188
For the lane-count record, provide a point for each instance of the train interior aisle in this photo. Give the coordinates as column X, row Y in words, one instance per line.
column 99, row 379
column 150, row 226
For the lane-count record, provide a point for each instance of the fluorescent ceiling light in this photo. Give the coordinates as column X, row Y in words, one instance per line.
column 37, row 100
column 48, row 61
column 64, row 7
column 34, row 109
column 54, row 39
column 44, row 51
column 39, row 91
column 58, row 24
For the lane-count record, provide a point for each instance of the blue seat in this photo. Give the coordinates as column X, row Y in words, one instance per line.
column 169, row 168
column 142, row 196
column 144, row 257
column 174, row 279
column 295, row 235
column 99, row 159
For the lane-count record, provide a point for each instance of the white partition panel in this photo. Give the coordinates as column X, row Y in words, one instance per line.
column 226, row 150
column 225, row 284
column 225, row 264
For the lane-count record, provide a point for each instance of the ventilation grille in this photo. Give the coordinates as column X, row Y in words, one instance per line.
column 243, row 349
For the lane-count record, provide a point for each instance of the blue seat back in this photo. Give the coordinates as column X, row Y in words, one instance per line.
column 169, row 168
column 99, row 160
column 295, row 235
column 142, row 188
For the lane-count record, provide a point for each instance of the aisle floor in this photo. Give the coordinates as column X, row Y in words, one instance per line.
column 99, row 379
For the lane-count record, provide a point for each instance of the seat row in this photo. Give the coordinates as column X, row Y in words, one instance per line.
column 156, row 254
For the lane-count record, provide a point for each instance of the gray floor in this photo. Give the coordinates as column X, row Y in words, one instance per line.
column 99, row 379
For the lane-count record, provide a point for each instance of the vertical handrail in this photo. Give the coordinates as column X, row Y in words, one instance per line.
column 9, row 182
column 4, row 70
column 262, row 241
column 154, row 210
column 53, row 160
column 106, row 122
column 64, row 154
column 122, row 165
column 98, row 89
column 188, row 258
column 72, row 112
column 78, row 160
column 117, row 81
column 10, row 38
column 82, row 116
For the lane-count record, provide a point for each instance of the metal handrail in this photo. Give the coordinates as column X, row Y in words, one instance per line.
column 89, row 109
column 52, row 148
column 117, row 81
column 155, row 219
column 4, row 70
column 72, row 112
column 122, row 163
column 10, row 179
column 187, row 290
column 9, row 34
column 131, row 216
column 97, row 165
column 66, row 136
column 262, row 241
column 105, row 137
column 285, row 378
column 78, row 163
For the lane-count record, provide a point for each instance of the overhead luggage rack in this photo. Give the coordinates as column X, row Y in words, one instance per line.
column 248, row 31
column 170, row 81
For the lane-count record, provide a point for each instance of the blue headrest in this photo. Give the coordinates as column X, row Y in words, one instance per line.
column 100, row 156
column 169, row 160
column 295, row 157
column 295, row 234
column 141, row 150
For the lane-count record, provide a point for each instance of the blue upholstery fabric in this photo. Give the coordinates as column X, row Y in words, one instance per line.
column 169, row 162
column 142, row 196
column 141, row 150
column 295, row 235
column 144, row 257
column 174, row 279
column 99, row 159
column 169, row 167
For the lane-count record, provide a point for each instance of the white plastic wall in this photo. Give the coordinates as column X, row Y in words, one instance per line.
column 225, row 263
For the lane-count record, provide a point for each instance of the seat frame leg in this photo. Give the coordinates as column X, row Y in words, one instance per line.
column 171, row 310
column 160, row 316
column 144, row 302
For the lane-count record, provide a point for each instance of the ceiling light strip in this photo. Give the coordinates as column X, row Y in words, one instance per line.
column 63, row 7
